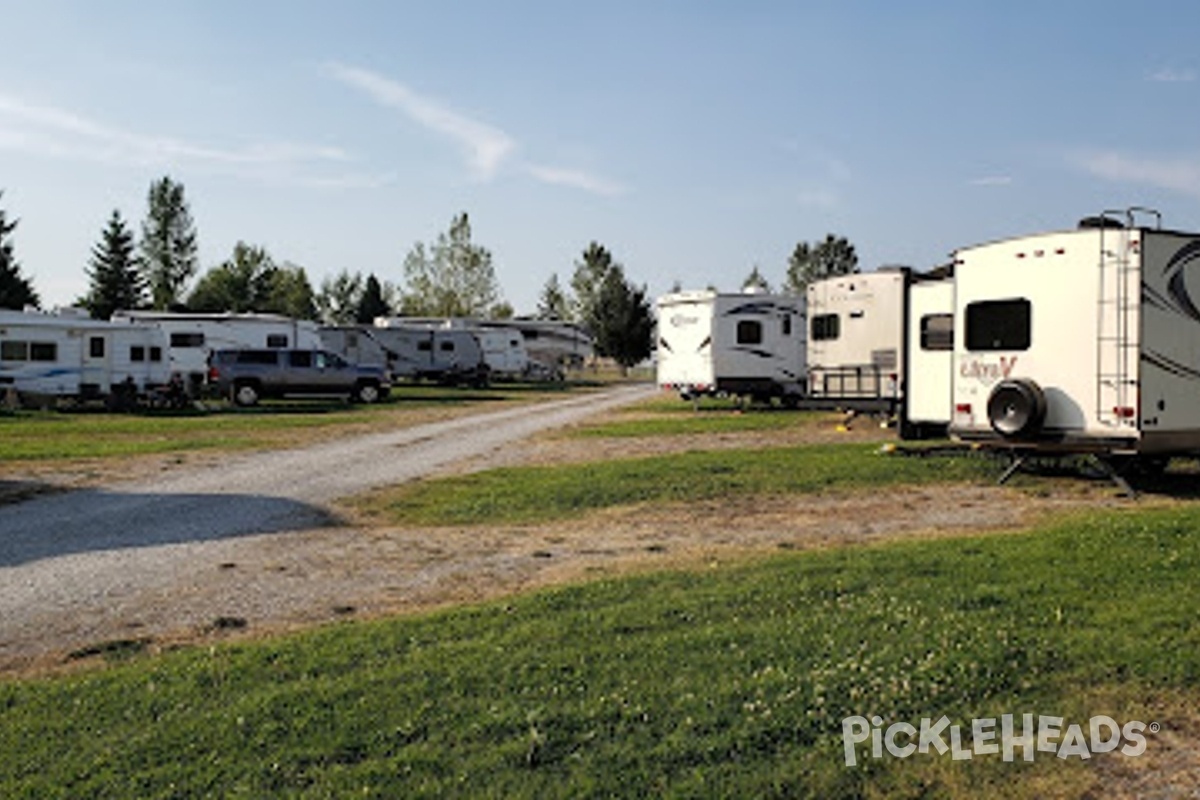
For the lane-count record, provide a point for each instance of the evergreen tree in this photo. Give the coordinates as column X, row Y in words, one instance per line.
column 834, row 256
column 587, row 281
column 454, row 278
column 116, row 281
column 16, row 291
column 553, row 303
column 168, row 243
column 756, row 282
column 372, row 303
column 624, row 320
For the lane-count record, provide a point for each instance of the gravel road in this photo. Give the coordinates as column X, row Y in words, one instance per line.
column 68, row 561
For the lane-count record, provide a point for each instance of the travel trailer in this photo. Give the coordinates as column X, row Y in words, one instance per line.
column 745, row 345
column 503, row 352
column 191, row 337
column 930, row 361
column 355, row 343
column 66, row 354
column 1085, row 340
column 551, row 346
column 426, row 352
column 856, row 358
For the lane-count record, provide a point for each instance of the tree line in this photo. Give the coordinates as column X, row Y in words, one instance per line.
column 452, row 276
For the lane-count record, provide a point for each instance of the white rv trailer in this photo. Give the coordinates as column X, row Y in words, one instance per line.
column 355, row 343
column 1085, row 340
column 67, row 354
column 856, row 335
column 503, row 351
column 431, row 352
column 748, row 345
column 930, row 347
column 192, row 337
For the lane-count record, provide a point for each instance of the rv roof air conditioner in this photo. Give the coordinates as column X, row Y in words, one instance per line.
column 1016, row 408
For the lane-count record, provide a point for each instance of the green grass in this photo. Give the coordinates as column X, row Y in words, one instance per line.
column 696, row 423
column 48, row 435
column 538, row 494
column 730, row 681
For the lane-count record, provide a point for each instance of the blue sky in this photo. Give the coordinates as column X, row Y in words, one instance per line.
column 695, row 140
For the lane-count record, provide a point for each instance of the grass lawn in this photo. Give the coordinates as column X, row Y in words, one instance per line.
column 728, row 681
column 537, row 494
column 48, row 435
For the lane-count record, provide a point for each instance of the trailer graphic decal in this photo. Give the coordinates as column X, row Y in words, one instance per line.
column 987, row 372
column 1171, row 366
column 1176, row 270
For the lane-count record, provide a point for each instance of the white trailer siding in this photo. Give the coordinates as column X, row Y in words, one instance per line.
column 927, row 386
column 191, row 337
column 503, row 351
column 856, row 339
column 739, row 344
column 1100, row 325
column 67, row 354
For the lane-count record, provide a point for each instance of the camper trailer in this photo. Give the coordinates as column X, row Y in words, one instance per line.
column 856, row 358
column 66, row 354
column 1085, row 340
column 355, row 343
column 503, row 352
column 434, row 353
column 746, row 345
column 930, row 360
column 192, row 337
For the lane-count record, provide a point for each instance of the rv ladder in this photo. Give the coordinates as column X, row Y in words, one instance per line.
column 1117, row 322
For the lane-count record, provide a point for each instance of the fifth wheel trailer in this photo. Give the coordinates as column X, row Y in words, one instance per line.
column 749, row 344
column 1085, row 340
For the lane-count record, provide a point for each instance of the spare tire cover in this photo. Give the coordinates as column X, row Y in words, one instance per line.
column 1017, row 408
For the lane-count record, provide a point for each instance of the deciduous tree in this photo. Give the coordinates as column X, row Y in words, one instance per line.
column 453, row 278
column 168, row 244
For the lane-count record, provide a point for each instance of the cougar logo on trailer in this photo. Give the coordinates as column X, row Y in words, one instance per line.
column 986, row 372
column 679, row 320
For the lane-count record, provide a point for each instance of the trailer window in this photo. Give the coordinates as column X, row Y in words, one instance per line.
column 448, row 346
column 156, row 354
column 187, row 339
column 14, row 351
column 137, row 353
column 96, row 347
column 425, row 346
column 277, row 340
column 998, row 325
column 825, row 327
column 749, row 331
column 787, row 325
column 937, row 332
column 43, row 351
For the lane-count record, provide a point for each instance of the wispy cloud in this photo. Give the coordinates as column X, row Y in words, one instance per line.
column 991, row 180
column 46, row 131
column 576, row 179
column 1180, row 174
column 487, row 147
column 1171, row 75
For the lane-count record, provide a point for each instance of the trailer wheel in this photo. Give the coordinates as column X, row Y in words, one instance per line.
column 245, row 394
column 1017, row 408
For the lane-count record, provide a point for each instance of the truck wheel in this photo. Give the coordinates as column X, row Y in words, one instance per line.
column 367, row 393
column 245, row 394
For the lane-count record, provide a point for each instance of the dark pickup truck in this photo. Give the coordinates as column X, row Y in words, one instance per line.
column 246, row 376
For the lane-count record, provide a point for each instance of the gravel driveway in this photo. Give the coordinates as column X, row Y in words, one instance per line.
column 82, row 565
